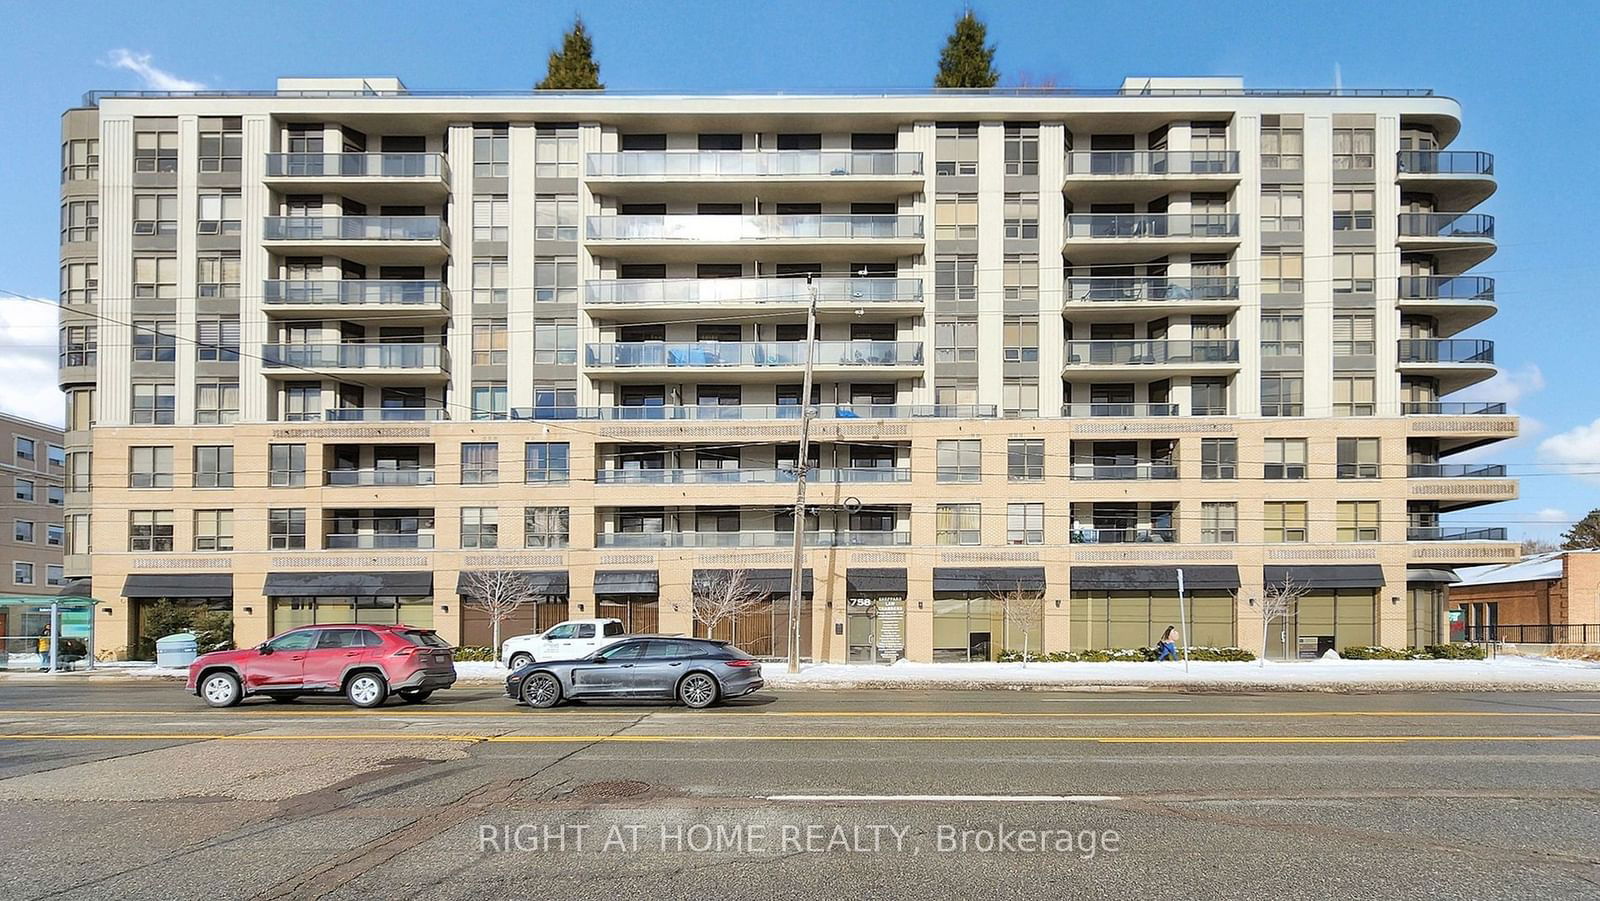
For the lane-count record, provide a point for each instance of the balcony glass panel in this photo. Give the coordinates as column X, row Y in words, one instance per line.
column 375, row 292
column 750, row 539
column 1454, row 533
column 1456, row 470
column 760, row 412
column 1452, row 408
column 1442, row 287
column 1151, row 352
column 688, row 227
column 1152, row 225
column 1114, row 409
column 711, row 163
column 1124, row 536
column 387, row 414
column 1153, row 162
column 1138, row 470
column 354, row 228
column 358, row 165
column 696, row 354
column 374, row 477
column 1446, row 225
column 355, row 356
column 1446, row 350
column 1122, row 289
column 1446, row 162
column 753, row 290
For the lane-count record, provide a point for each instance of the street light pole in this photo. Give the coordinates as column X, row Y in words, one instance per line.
column 802, row 456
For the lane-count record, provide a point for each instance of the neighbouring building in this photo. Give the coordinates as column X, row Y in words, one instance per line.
column 327, row 348
column 33, row 473
column 1550, row 598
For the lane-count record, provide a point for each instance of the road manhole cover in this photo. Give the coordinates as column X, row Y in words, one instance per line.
column 618, row 790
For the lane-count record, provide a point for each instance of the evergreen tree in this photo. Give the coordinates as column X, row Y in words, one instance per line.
column 966, row 62
column 1584, row 534
column 572, row 68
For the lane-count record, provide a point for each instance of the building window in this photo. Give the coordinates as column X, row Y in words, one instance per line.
column 1219, row 458
column 550, row 396
column 219, row 213
column 24, row 490
column 480, row 527
column 150, row 531
column 491, row 151
column 155, row 151
column 1282, row 335
column 221, row 144
column 217, row 403
column 80, row 283
column 958, row 524
column 1353, row 210
column 955, row 392
column 955, row 148
column 1354, row 334
column 55, row 495
column 217, row 275
column 956, row 340
column 1358, row 458
column 80, row 160
column 1024, row 523
column 213, row 466
column 480, row 463
column 155, row 341
column 22, row 573
column 1025, row 460
column 491, row 279
column 1352, row 148
column 79, row 345
column 1285, row 522
column 555, row 217
column 78, row 533
column 80, row 221
column 1020, row 337
column 78, row 470
column 286, row 529
column 155, row 214
column 545, row 463
column 1354, row 273
column 960, row 460
column 489, row 400
column 489, row 342
column 1282, row 143
column 555, row 342
column 80, row 401
column 1282, row 270
column 155, row 277
column 1021, row 277
column 491, row 217
column 1284, row 458
column 217, row 339
column 55, row 455
column 544, row 527
column 1219, row 522
column 955, row 217
column 1021, row 216
column 1283, row 394
column 213, row 530
column 955, row 277
column 54, row 574
column 23, row 531
column 287, row 465
column 1354, row 396
column 1022, row 149
column 1019, row 397
column 25, row 449
column 555, row 279
column 150, row 467
column 154, row 404
column 55, row 534
column 1282, row 208
column 1358, row 521
column 555, row 151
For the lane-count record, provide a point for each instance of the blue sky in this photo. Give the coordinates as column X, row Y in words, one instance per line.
column 1523, row 74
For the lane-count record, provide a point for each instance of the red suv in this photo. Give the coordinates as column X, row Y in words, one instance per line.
column 364, row 663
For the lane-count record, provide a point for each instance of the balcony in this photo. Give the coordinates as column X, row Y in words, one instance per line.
column 1460, row 179
column 1131, row 237
column 808, row 175
column 749, row 539
column 1454, row 362
column 378, row 239
column 387, row 414
column 1456, row 302
column 375, row 176
column 412, row 361
column 1456, row 471
column 344, row 297
column 765, row 476
column 779, row 357
column 1136, row 470
column 1159, row 357
column 1118, row 410
column 371, row 541
column 1452, row 408
column 688, row 237
column 840, row 296
column 1124, row 536
column 1454, row 533
column 1097, row 174
column 1459, row 240
column 371, row 478
column 1148, row 292
column 756, row 412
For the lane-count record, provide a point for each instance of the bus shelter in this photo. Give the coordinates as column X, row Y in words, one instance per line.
column 47, row 634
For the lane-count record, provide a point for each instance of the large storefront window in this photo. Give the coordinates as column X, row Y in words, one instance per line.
column 539, row 614
column 640, row 614
column 377, row 610
column 1329, row 619
column 764, row 631
column 976, row 627
column 1136, row 619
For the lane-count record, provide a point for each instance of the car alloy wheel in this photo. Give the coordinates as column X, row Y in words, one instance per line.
column 542, row 690
column 366, row 690
column 698, row 691
column 220, row 690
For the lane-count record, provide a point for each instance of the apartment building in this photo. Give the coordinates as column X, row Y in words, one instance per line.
column 330, row 347
column 33, row 463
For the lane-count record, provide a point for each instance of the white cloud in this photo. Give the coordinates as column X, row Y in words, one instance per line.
column 28, row 361
column 155, row 79
column 1508, row 385
column 1577, row 448
column 1553, row 514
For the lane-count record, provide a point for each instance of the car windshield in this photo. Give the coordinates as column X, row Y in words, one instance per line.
column 424, row 639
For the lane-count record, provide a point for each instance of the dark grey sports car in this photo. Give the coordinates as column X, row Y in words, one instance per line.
column 697, row 672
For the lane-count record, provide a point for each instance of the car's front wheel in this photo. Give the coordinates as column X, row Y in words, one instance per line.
column 415, row 695
column 698, row 690
column 366, row 690
column 221, row 690
column 518, row 661
column 542, row 690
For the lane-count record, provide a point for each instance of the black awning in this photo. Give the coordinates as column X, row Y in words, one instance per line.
column 988, row 578
column 1360, row 575
column 772, row 581
column 178, row 585
column 77, row 588
column 874, row 581
column 540, row 581
column 1432, row 575
column 625, row 581
column 1150, row 578
column 355, row 584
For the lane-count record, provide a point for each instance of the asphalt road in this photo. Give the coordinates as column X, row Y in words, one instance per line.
column 139, row 791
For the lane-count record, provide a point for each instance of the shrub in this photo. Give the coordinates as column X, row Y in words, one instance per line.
column 484, row 655
column 213, row 629
column 1127, row 655
column 1431, row 652
column 1456, row 651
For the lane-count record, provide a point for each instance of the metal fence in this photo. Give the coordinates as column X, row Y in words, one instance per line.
column 1534, row 633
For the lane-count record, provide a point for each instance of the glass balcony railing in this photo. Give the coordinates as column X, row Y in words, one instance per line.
column 1452, row 408
column 1446, row 225
column 753, row 290
column 358, row 165
column 1126, row 288
column 766, row 476
column 757, row 164
column 1445, row 162
column 750, row 539
column 356, row 292
column 1124, row 536
column 376, row 477
column 1454, row 533
column 1153, row 162
column 1150, row 353
column 355, row 228
column 1152, row 225
column 1130, row 410
column 1140, row 470
column 1446, row 350
column 387, row 414
column 1447, row 287
column 355, row 356
column 746, row 412
column 729, row 229
column 377, row 541
column 1456, row 471
column 697, row 354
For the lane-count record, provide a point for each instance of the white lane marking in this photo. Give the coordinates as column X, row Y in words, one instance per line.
column 1065, row 799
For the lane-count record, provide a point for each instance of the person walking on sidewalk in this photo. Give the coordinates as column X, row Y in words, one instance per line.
column 1167, row 648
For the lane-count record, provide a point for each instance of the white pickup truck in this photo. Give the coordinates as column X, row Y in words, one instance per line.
column 566, row 640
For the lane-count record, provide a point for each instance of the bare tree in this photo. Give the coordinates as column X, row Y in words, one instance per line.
column 1024, row 610
column 725, row 595
column 1027, row 79
column 1531, row 546
column 498, row 593
column 1279, row 600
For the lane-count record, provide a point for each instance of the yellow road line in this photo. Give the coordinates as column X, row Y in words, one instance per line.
column 423, row 713
column 660, row 739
